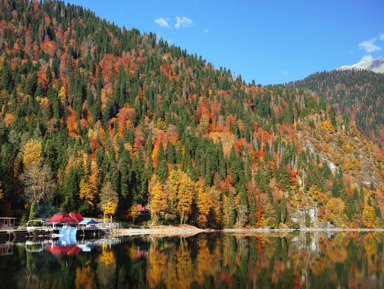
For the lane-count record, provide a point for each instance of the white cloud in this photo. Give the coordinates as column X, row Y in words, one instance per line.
column 183, row 22
column 206, row 30
column 369, row 45
column 285, row 72
column 382, row 36
column 366, row 58
column 163, row 22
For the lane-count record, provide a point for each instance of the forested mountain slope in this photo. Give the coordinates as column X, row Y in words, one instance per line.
column 358, row 94
column 95, row 118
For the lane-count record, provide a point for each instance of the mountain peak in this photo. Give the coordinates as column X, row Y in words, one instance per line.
column 375, row 65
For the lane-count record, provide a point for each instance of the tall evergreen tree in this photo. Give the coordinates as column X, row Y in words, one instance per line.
column 162, row 166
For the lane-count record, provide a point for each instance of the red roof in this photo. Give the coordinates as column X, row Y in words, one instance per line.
column 66, row 218
column 140, row 207
column 76, row 216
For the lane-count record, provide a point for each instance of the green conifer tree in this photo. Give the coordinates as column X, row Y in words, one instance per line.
column 162, row 166
column 243, row 212
column 284, row 210
column 231, row 210
column 252, row 209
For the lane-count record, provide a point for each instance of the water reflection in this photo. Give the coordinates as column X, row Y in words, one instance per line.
column 316, row 260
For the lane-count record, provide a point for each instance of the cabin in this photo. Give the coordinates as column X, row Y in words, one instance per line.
column 143, row 211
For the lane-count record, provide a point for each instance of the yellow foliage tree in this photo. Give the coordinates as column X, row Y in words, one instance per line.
column 93, row 178
column 203, row 203
column 216, row 206
column 268, row 219
column 134, row 212
column 327, row 124
column 32, row 152
column 335, row 211
column 87, row 191
column 62, row 95
column 315, row 192
column 180, row 189
column 158, row 200
column 1, row 192
column 369, row 215
column 109, row 200
column 109, row 208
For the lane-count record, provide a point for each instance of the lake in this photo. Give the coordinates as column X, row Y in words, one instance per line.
column 213, row 260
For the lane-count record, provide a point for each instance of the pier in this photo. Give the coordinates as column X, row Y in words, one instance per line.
column 22, row 235
column 68, row 226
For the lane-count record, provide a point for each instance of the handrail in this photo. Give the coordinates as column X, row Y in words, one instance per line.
column 41, row 221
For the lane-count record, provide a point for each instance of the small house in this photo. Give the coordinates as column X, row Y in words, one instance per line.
column 143, row 211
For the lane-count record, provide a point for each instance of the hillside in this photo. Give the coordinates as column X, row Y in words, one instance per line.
column 96, row 119
column 358, row 94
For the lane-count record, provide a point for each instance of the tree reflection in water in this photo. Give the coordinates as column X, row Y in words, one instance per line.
column 307, row 260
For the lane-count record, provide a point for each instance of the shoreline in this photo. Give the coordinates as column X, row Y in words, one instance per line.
column 186, row 231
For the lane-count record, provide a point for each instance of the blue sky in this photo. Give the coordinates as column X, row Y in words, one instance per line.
column 270, row 42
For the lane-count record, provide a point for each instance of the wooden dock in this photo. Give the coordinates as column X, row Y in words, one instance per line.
column 23, row 235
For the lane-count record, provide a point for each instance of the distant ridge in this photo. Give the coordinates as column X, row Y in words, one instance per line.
column 375, row 65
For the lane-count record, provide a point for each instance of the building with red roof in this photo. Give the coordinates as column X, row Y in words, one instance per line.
column 64, row 218
column 143, row 211
column 76, row 216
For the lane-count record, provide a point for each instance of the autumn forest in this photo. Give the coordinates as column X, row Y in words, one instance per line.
column 95, row 118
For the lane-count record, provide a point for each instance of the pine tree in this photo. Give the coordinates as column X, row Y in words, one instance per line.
column 243, row 208
column 276, row 207
column 252, row 209
column 171, row 153
column 335, row 188
column 71, row 191
column 284, row 211
column 162, row 166
column 231, row 210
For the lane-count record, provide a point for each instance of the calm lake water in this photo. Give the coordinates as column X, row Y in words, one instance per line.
column 316, row 260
